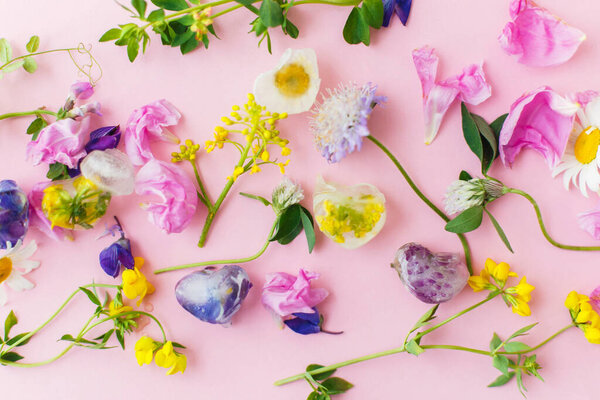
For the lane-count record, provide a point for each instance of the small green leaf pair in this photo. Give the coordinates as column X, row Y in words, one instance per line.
column 18, row 340
column 9, row 64
column 290, row 224
column 325, row 386
column 361, row 19
column 413, row 346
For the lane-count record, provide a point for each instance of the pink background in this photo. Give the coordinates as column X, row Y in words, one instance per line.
column 367, row 299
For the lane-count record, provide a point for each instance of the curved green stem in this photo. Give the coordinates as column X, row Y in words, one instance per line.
column 35, row 54
column 426, row 200
column 26, row 113
column 542, row 343
column 219, row 262
column 543, row 226
column 190, row 10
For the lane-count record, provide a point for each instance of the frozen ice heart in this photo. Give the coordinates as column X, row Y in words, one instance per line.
column 431, row 277
column 214, row 296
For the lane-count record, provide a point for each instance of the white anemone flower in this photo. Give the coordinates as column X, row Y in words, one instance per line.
column 581, row 161
column 292, row 87
column 14, row 263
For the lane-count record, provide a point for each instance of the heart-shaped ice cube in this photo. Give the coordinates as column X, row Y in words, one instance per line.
column 431, row 277
column 214, row 296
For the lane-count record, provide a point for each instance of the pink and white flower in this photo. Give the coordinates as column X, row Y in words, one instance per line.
column 285, row 294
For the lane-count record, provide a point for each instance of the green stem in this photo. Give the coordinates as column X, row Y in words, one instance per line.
column 204, row 197
column 25, row 113
column 426, row 200
column 542, row 343
column 34, row 54
column 219, row 262
column 543, row 226
column 227, row 10
column 190, row 10
column 342, row 3
column 460, row 348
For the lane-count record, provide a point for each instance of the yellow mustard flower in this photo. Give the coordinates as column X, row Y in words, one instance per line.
column 135, row 283
column 144, row 350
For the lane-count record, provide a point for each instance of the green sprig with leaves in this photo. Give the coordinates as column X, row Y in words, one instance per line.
column 187, row 24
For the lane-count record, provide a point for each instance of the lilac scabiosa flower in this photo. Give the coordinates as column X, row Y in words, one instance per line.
column 214, row 296
column 589, row 221
column 118, row 254
column 149, row 123
column 14, row 213
column 400, row 7
column 37, row 217
column 62, row 142
column 179, row 197
column 339, row 123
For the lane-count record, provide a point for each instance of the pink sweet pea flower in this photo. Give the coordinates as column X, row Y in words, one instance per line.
column 62, row 141
column 38, row 219
column 589, row 221
column 537, row 37
column 595, row 299
column 541, row 120
column 81, row 90
column 148, row 123
column 177, row 191
column 470, row 86
column 285, row 294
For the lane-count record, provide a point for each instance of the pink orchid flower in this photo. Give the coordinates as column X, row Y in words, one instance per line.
column 149, row 123
column 285, row 294
column 62, row 141
column 176, row 190
column 38, row 219
column 589, row 221
column 470, row 86
column 541, row 120
column 537, row 37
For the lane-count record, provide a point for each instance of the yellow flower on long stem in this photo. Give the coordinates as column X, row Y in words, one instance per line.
column 135, row 283
column 144, row 350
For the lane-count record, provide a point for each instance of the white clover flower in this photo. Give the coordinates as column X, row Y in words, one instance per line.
column 286, row 194
column 462, row 195
column 292, row 86
column 15, row 263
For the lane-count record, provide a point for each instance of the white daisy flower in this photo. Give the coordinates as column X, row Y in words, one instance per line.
column 14, row 263
column 292, row 87
column 581, row 161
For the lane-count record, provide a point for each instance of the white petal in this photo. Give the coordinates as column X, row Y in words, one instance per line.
column 18, row 283
column 26, row 266
column 24, row 252
column 592, row 112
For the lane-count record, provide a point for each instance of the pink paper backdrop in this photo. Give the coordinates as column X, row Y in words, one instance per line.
column 367, row 299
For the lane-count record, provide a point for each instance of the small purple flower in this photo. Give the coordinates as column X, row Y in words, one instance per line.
column 400, row 7
column 117, row 255
column 107, row 137
column 81, row 90
column 14, row 213
column 339, row 123
column 305, row 323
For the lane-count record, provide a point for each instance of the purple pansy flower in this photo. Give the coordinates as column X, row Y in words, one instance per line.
column 400, row 7
column 118, row 254
column 14, row 213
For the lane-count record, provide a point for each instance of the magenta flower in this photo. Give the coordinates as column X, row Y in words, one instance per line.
column 62, row 141
column 537, row 37
column 595, row 299
column 81, row 90
column 589, row 221
column 470, row 86
column 176, row 190
column 149, row 123
column 38, row 219
column 285, row 294
column 541, row 120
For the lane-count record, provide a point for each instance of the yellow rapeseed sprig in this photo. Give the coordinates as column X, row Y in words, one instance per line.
column 584, row 316
column 342, row 219
column 187, row 152
column 258, row 128
column 494, row 277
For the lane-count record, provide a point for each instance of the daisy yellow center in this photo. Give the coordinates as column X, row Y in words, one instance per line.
column 5, row 268
column 292, row 80
column 586, row 146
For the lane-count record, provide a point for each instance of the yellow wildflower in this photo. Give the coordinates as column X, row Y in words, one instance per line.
column 135, row 283
column 282, row 166
column 144, row 350
column 500, row 271
column 114, row 309
column 584, row 316
column 574, row 300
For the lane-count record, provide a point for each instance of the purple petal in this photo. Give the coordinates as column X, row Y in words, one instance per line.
column 305, row 323
column 403, row 10
column 109, row 260
column 104, row 138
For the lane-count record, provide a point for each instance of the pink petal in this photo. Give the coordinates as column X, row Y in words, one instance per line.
column 472, row 85
column 589, row 221
column 284, row 294
column 537, row 37
column 62, row 141
column 426, row 62
column 435, row 106
column 541, row 120
column 81, row 90
column 584, row 98
column 595, row 299
column 175, row 189
column 38, row 219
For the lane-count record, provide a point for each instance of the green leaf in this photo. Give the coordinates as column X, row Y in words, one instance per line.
column 5, row 51
column 520, row 382
column 180, row 39
column 372, row 11
column 488, row 141
column 336, row 385
column 156, row 15
column 466, row 221
column 501, row 362
column 292, row 235
column 189, row 45
column 187, row 20
column 33, row 44
column 523, row 331
column 29, row 65
column 499, row 230
column 13, row 66
column 173, row 5
column 312, row 396
column 10, row 321
column 470, row 132
column 270, row 13
column 425, row 318
column 179, row 345
column 290, row 29
column 256, row 197
column 287, row 222
column 91, row 296
column 413, row 348
column 57, row 171
column 322, row 375
column 516, row 347
column 133, row 48
column 309, row 228
column 18, row 337
column 111, row 34
column 120, row 338
column 356, row 29
column 11, row 356
column 36, row 126
column 249, row 6
column 502, row 380
column 465, row 176
column 497, row 125
column 140, row 7
column 495, row 343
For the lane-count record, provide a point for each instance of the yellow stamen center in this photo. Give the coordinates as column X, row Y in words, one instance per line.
column 292, row 80
column 5, row 268
column 586, row 146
